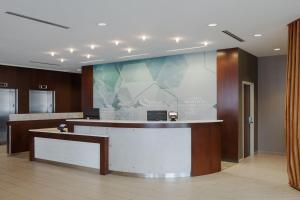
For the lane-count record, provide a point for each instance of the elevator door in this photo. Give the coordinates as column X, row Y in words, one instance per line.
column 41, row 101
column 8, row 104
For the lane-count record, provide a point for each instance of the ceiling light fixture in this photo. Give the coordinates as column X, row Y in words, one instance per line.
column 62, row 60
column 102, row 24
column 212, row 25
column 177, row 39
column 129, row 50
column 205, row 43
column 277, row 49
column 52, row 53
column 71, row 50
column 93, row 46
column 144, row 37
column 184, row 49
column 88, row 56
column 117, row 42
column 90, row 61
column 257, row 35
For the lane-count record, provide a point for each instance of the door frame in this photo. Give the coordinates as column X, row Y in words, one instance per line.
column 252, row 114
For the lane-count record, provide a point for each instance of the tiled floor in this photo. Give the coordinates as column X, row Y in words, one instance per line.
column 259, row 177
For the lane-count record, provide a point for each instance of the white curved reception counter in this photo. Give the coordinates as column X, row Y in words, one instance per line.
column 158, row 149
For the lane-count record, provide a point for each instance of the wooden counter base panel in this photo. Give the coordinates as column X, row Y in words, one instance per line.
column 18, row 140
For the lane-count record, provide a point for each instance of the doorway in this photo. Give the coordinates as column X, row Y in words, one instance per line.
column 248, row 119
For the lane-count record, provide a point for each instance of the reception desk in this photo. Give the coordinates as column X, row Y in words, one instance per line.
column 158, row 149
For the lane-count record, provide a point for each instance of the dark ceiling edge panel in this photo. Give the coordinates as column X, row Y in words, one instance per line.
column 37, row 20
column 233, row 36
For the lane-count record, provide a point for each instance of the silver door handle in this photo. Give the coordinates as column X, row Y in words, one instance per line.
column 250, row 120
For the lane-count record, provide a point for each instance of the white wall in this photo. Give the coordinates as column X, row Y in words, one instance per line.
column 271, row 88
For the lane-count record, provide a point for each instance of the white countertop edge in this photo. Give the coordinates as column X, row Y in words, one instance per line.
column 44, row 116
column 144, row 122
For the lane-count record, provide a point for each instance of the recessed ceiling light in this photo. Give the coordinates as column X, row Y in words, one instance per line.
column 129, row 50
column 88, row 56
column 71, row 50
column 204, row 43
column 62, row 60
column 177, row 39
column 93, row 46
column 212, row 25
column 257, row 35
column 144, row 37
column 102, row 24
column 116, row 42
column 277, row 49
column 52, row 53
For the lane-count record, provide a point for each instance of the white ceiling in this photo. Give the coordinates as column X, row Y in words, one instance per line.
column 23, row 40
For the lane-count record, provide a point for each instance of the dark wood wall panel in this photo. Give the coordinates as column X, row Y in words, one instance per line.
column 228, row 101
column 87, row 87
column 76, row 92
column 8, row 75
column 67, row 86
column 23, row 84
column 233, row 67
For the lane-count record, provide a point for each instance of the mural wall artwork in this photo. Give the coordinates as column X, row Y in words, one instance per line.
column 183, row 83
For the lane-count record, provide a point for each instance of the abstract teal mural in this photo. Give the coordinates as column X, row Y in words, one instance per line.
column 183, row 83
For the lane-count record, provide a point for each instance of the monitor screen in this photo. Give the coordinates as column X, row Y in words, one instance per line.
column 91, row 113
column 157, row 115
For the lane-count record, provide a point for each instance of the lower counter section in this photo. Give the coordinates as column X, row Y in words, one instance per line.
column 83, row 154
column 150, row 152
column 69, row 148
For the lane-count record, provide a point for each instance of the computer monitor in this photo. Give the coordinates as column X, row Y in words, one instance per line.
column 91, row 113
column 157, row 115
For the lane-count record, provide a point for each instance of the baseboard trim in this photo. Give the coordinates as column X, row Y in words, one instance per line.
column 67, row 165
column 229, row 160
column 271, row 153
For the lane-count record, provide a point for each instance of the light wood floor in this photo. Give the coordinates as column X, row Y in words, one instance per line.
column 260, row 177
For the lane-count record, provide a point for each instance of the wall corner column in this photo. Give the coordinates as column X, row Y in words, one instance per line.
column 87, row 87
